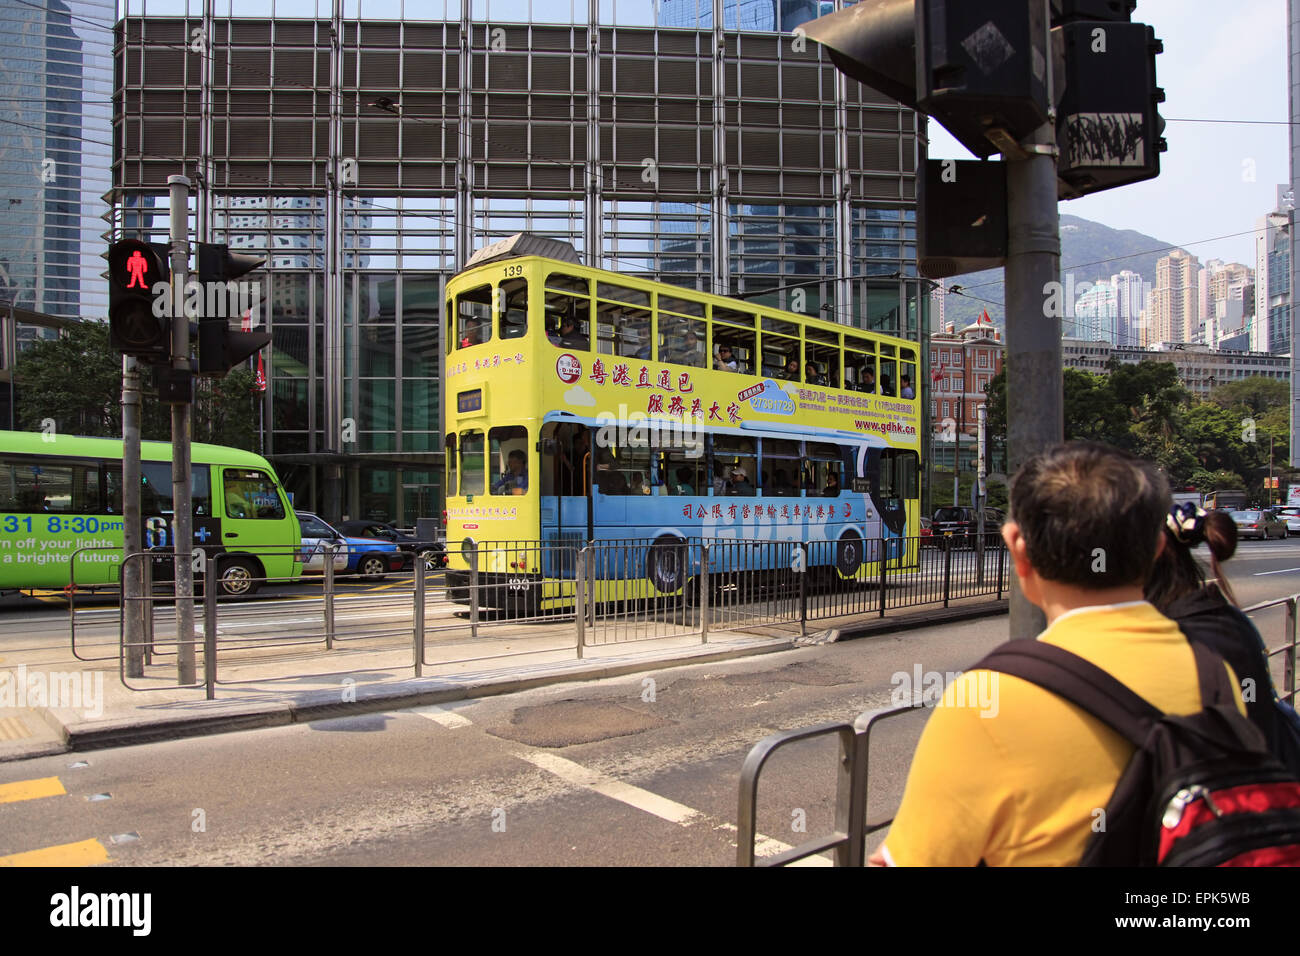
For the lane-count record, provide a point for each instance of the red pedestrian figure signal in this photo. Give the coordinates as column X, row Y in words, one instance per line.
column 137, row 266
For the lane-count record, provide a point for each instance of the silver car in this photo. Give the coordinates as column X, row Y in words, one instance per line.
column 1259, row 524
column 1291, row 516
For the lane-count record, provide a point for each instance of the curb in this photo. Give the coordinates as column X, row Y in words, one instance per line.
column 925, row 619
column 124, row 733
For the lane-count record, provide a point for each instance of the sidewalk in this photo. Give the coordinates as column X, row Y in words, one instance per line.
column 265, row 691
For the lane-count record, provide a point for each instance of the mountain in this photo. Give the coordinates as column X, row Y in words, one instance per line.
column 1090, row 252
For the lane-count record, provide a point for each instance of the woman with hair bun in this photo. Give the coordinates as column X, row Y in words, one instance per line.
column 1207, row 614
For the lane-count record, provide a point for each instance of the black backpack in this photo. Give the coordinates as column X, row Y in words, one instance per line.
column 1201, row 790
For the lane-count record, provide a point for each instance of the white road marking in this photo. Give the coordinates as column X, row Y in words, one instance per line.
column 581, row 776
column 1260, row 574
column 644, row 800
column 448, row 719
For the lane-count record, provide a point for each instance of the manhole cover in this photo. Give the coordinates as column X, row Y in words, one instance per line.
column 569, row 722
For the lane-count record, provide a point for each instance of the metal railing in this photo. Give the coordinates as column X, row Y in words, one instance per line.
column 514, row 598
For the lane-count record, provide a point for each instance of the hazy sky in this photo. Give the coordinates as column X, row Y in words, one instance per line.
column 1221, row 60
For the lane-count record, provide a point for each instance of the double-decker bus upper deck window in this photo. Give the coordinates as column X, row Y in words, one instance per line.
column 780, row 468
column 512, row 297
column 888, row 371
column 567, row 304
column 821, row 353
column 623, row 325
column 508, row 458
column 474, row 316
column 735, row 466
column 781, row 349
column 907, row 383
column 733, row 341
column 471, row 463
column 683, row 332
column 250, row 493
column 859, row 364
column 450, row 453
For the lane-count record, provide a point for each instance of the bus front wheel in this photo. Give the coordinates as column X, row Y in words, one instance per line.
column 238, row 577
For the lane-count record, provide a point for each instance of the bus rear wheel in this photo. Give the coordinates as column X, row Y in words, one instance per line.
column 238, row 577
column 848, row 554
column 666, row 564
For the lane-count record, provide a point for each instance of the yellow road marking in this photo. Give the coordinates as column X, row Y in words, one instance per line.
column 13, row 728
column 85, row 853
column 31, row 789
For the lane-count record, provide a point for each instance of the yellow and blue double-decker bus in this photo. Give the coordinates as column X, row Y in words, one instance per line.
column 584, row 405
column 61, row 495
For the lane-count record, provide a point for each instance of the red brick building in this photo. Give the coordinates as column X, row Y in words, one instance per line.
column 962, row 363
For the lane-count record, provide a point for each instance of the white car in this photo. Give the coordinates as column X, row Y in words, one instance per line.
column 316, row 534
column 1292, row 518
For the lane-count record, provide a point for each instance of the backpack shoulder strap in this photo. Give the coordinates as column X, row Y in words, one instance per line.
column 1079, row 681
column 1212, row 674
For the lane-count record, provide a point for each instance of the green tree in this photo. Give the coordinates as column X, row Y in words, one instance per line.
column 1256, row 394
column 76, row 381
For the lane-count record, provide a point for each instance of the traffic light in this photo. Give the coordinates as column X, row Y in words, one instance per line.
column 221, row 348
column 1107, row 128
column 135, row 326
column 980, row 69
column 961, row 219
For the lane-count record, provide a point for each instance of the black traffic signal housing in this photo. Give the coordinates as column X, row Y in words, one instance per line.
column 137, row 326
column 221, row 348
column 1108, row 130
column 976, row 67
column 961, row 220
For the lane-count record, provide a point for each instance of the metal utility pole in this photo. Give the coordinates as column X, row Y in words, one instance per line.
column 981, row 492
column 133, row 595
column 1035, row 405
column 182, row 501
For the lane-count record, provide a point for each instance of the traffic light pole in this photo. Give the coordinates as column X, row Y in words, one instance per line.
column 132, row 572
column 182, row 502
column 1035, row 404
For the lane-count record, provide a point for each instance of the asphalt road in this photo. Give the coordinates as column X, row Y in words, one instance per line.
column 638, row 770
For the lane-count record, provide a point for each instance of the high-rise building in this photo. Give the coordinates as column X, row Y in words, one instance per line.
column 56, row 87
column 368, row 149
column 1096, row 314
column 1271, row 331
column 1130, row 293
column 1175, row 316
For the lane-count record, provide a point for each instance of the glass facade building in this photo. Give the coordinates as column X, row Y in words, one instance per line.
column 369, row 148
column 55, row 154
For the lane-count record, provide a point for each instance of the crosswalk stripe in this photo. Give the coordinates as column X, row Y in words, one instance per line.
column 31, row 789
column 447, row 718
column 84, row 853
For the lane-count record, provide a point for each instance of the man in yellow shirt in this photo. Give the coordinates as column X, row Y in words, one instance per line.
column 1019, row 776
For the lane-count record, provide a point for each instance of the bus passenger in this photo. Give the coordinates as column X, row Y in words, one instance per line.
column 568, row 336
column 513, row 481
column 908, row 391
column 691, row 351
column 719, row 479
column 832, row 489
column 812, row 376
column 792, row 369
column 683, row 486
column 868, row 383
column 740, row 482
column 726, row 362
column 781, row 487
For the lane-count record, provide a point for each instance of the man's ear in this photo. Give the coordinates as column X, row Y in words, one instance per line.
column 1017, row 548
